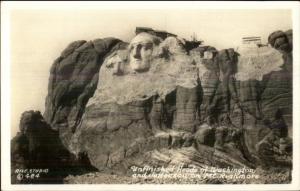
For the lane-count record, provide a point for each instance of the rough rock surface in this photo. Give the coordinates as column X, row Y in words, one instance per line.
column 278, row 84
column 273, row 93
column 73, row 80
column 130, row 113
column 37, row 146
column 195, row 104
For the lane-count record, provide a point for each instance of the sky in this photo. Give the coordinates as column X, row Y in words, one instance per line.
column 37, row 38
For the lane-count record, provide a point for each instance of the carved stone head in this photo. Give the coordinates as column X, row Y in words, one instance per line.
column 141, row 51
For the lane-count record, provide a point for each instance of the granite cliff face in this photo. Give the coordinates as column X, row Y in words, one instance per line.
column 162, row 100
column 73, row 79
column 38, row 146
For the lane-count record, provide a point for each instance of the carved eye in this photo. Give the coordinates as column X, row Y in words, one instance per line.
column 148, row 46
column 139, row 46
column 130, row 48
column 110, row 65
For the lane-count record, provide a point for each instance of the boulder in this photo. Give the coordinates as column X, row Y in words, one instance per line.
column 205, row 135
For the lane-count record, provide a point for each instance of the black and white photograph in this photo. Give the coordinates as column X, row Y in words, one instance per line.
column 162, row 94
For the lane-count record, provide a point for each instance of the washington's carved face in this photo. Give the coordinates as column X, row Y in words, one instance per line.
column 141, row 51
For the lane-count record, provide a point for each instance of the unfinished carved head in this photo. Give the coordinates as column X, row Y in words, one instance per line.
column 116, row 62
column 141, row 50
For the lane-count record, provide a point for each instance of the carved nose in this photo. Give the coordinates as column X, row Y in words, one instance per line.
column 137, row 53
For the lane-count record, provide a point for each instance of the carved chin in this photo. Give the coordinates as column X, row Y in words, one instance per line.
column 139, row 65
